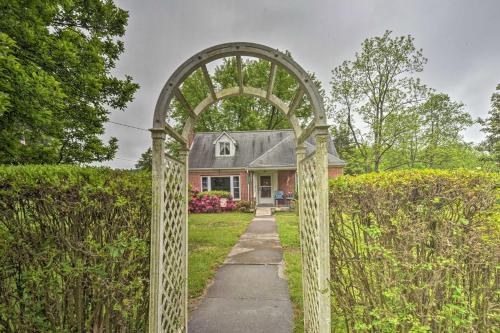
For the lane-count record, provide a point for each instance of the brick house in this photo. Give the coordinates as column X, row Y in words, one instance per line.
column 252, row 165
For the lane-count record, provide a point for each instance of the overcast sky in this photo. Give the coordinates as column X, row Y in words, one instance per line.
column 461, row 39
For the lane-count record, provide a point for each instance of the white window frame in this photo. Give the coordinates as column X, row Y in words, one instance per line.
column 201, row 184
column 224, row 139
column 232, row 177
column 239, row 187
column 222, row 147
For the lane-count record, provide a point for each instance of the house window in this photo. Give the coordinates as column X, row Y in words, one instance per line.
column 236, row 187
column 220, row 184
column 224, row 148
column 229, row 184
column 204, row 184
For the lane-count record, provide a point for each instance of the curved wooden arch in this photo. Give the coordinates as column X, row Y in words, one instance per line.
column 239, row 49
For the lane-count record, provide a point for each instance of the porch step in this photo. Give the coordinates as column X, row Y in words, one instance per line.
column 263, row 211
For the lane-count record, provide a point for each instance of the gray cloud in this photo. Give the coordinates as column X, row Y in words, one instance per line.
column 460, row 39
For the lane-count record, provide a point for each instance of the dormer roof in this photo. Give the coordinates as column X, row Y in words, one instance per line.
column 225, row 134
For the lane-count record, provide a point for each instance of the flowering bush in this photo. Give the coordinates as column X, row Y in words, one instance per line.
column 210, row 202
column 244, row 205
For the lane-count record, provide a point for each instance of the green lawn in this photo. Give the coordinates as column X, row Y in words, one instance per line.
column 211, row 237
column 288, row 229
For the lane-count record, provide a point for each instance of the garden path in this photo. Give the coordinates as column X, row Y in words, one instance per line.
column 250, row 292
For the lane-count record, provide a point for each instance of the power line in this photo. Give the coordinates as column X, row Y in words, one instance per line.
column 130, row 126
column 125, row 159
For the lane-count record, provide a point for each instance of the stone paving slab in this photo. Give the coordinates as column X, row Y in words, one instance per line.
column 255, row 248
column 262, row 226
column 255, row 256
column 245, row 281
column 223, row 315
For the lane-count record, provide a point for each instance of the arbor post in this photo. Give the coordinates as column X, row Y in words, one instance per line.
column 183, row 157
column 321, row 138
column 155, row 288
column 301, row 155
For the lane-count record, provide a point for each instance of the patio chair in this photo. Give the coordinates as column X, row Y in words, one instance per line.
column 279, row 195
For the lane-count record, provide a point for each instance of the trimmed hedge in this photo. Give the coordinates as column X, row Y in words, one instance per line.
column 74, row 249
column 220, row 194
column 412, row 251
column 415, row 251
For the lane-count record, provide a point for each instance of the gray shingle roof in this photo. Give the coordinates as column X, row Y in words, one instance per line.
column 255, row 149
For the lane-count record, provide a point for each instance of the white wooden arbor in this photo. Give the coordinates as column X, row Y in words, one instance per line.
column 168, row 271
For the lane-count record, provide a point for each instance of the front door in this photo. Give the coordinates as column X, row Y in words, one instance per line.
column 265, row 190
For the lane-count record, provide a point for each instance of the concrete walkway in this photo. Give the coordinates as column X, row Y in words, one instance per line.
column 250, row 293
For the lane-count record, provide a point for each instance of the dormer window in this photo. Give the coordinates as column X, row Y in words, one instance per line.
column 224, row 148
column 225, row 145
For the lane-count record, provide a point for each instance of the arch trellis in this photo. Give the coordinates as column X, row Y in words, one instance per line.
column 168, row 272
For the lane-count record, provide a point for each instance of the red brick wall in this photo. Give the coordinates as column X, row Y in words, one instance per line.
column 334, row 172
column 195, row 179
column 286, row 178
column 286, row 181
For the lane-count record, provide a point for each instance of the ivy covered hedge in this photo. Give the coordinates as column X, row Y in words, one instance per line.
column 415, row 251
column 74, row 252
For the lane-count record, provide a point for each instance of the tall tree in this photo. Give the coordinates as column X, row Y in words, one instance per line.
column 491, row 126
column 434, row 135
column 375, row 94
column 145, row 162
column 56, row 85
column 443, row 121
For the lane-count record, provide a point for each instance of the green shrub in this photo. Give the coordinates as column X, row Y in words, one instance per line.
column 74, row 249
column 415, row 251
column 244, row 205
column 220, row 194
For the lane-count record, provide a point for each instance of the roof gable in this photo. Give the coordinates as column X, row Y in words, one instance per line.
column 224, row 134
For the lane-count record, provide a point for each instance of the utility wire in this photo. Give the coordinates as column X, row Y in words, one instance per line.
column 130, row 126
column 124, row 159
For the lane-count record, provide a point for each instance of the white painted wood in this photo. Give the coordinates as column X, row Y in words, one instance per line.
column 272, row 77
column 238, row 49
column 180, row 97
column 209, row 82
column 155, row 289
column 297, row 98
column 240, row 73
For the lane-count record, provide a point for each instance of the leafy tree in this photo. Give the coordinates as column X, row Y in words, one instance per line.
column 491, row 126
column 434, row 134
column 145, row 162
column 377, row 89
column 55, row 81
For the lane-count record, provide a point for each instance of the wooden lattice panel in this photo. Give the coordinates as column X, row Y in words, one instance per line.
column 173, row 249
column 310, row 243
